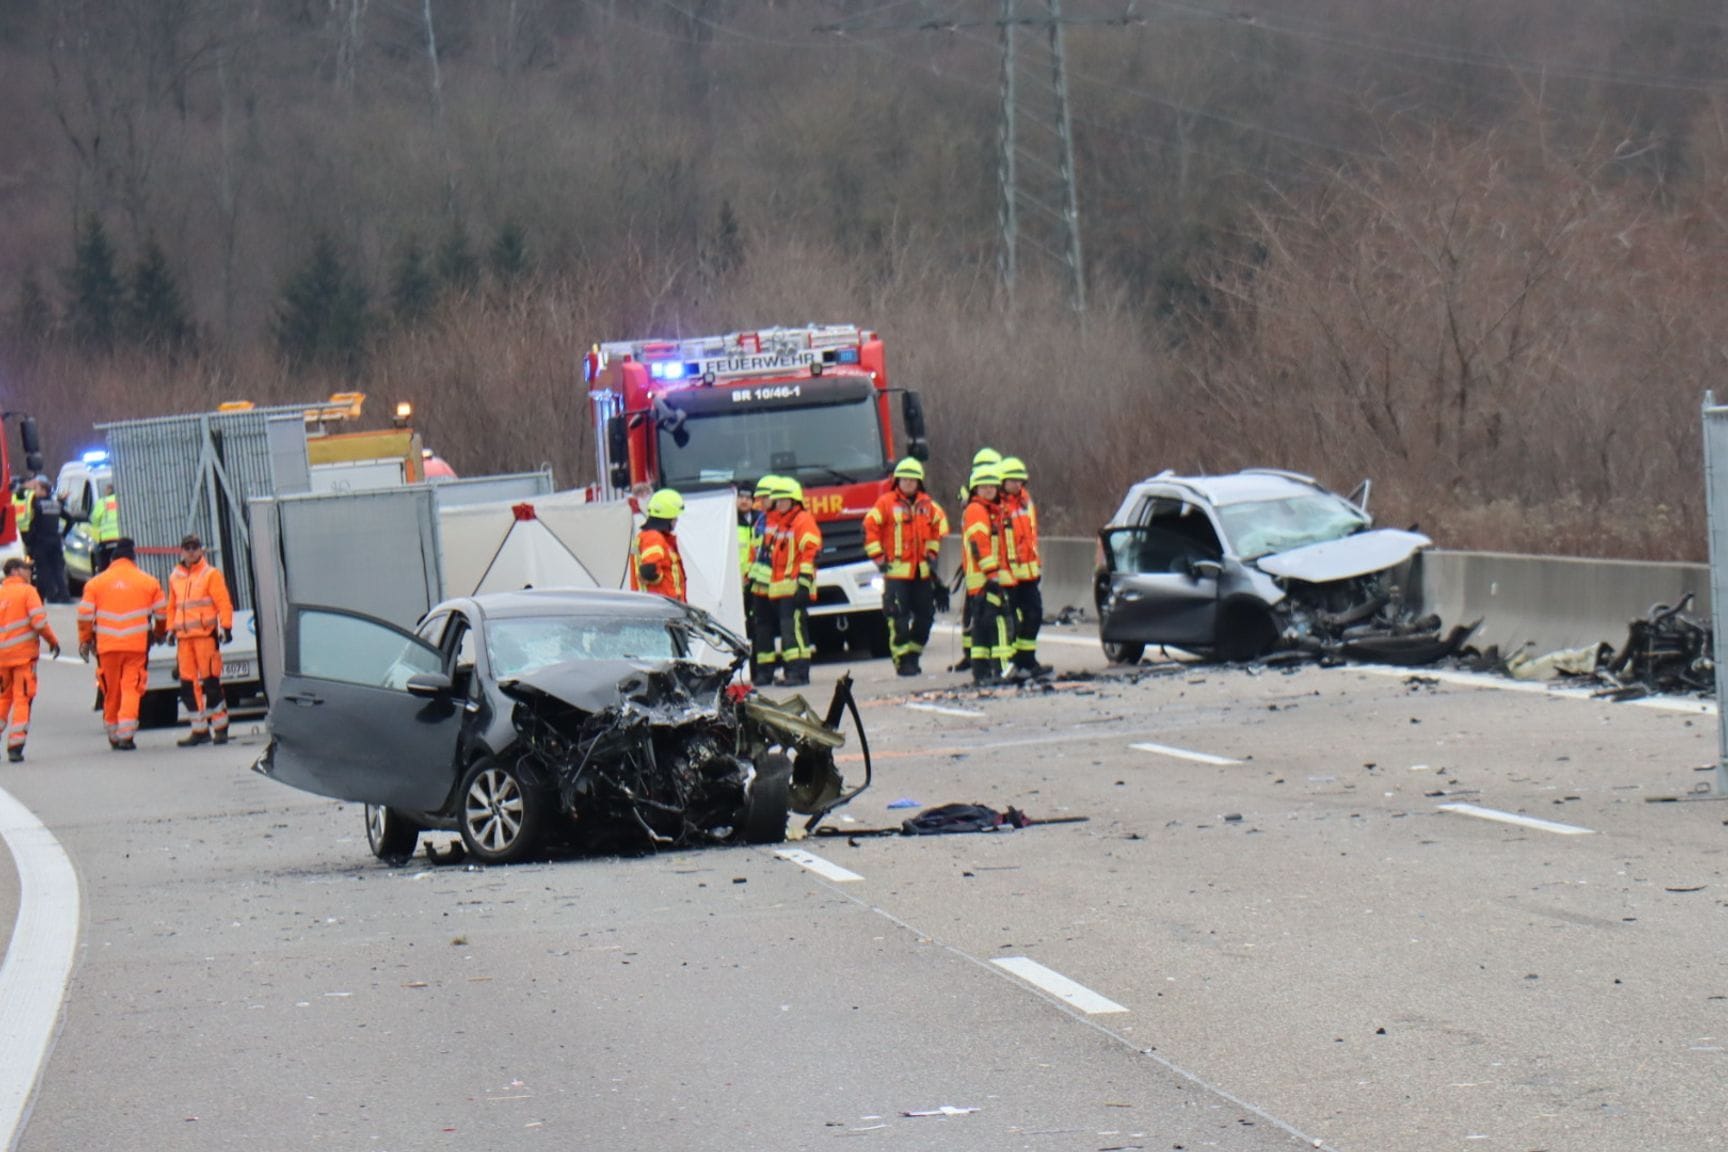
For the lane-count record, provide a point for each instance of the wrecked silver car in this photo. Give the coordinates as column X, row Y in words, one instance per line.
column 1238, row 567
column 615, row 720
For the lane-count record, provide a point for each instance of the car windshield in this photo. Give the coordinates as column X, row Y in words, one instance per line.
column 518, row 645
column 818, row 444
column 1261, row 527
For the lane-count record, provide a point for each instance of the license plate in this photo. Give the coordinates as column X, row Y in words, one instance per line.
column 237, row 670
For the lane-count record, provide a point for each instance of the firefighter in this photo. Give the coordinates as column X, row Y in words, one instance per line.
column 992, row 644
column 23, row 627
column 104, row 527
column 199, row 608
column 20, row 506
column 902, row 534
column 757, row 564
column 655, row 564
column 765, row 626
column 980, row 459
column 794, row 543
column 123, row 612
column 44, row 543
column 1020, row 545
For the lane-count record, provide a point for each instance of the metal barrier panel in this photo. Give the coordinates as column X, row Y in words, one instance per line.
column 468, row 490
column 375, row 553
column 1716, row 502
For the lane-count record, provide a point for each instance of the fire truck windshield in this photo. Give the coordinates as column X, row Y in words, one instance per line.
column 837, row 439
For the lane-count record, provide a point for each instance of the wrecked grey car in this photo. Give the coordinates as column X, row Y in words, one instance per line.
column 1237, row 567
column 614, row 720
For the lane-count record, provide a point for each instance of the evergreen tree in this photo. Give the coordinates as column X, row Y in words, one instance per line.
column 155, row 314
column 413, row 290
column 33, row 322
column 458, row 268
column 509, row 255
column 96, row 294
column 323, row 319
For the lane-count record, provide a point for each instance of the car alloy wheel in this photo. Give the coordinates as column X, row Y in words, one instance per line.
column 391, row 836
column 501, row 812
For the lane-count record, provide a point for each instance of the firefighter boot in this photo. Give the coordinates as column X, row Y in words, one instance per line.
column 192, row 739
column 910, row 666
column 797, row 673
column 220, row 736
column 982, row 674
column 15, row 754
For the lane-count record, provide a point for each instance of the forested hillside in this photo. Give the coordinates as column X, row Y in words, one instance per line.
column 1472, row 249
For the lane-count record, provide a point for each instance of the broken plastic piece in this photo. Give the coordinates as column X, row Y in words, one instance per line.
column 945, row 1110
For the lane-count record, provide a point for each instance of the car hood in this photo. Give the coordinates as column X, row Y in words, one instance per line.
column 1358, row 555
column 595, row 685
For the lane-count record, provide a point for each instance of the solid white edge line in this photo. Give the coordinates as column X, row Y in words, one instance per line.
column 1536, row 687
column 38, row 959
column 1058, row 985
column 1513, row 818
column 968, row 713
column 823, row 868
column 1184, row 754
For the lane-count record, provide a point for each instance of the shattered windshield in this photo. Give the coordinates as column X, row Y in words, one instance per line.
column 519, row 645
column 816, row 444
column 1261, row 527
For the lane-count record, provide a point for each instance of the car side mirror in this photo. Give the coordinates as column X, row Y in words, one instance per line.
column 430, row 685
column 1205, row 569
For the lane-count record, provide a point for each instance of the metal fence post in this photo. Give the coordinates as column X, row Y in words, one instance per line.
column 1716, row 515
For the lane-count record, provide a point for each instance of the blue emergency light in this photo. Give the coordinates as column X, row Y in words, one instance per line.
column 95, row 456
column 669, row 371
column 847, row 356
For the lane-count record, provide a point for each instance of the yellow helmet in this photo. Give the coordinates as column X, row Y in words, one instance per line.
column 765, row 487
column 986, row 456
column 665, row 505
column 909, row 469
column 990, row 474
column 790, row 489
column 1013, row 468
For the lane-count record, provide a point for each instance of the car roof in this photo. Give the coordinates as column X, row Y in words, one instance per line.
column 1238, row 487
column 554, row 601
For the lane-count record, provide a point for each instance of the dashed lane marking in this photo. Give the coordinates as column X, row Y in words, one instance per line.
column 1076, row 995
column 1184, row 754
column 38, row 961
column 969, row 713
column 822, row 868
column 1500, row 817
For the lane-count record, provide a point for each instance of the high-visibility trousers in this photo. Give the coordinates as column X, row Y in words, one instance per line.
column 122, row 676
column 1027, row 600
column 17, row 690
column 200, row 662
column 910, row 606
column 992, row 627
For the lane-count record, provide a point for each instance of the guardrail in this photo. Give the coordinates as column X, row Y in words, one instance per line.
column 1545, row 602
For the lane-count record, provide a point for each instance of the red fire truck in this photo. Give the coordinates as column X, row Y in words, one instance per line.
column 723, row 411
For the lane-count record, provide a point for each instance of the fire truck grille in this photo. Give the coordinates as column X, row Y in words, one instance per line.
column 842, row 542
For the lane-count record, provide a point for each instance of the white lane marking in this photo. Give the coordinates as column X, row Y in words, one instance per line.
column 1184, row 754
column 941, row 711
column 1513, row 818
column 1058, row 985
column 816, row 864
column 38, row 960
column 1043, row 637
column 1536, row 687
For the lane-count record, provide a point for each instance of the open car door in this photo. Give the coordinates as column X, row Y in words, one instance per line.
column 1156, row 588
column 366, row 713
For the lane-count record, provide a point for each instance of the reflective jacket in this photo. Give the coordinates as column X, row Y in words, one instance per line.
column 981, row 541
column 21, row 513
column 1020, row 536
column 655, row 565
column 122, row 609
column 105, row 519
column 23, row 623
column 760, row 568
column 795, row 542
column 907, row 533
column 744, row 534
column 198, row 601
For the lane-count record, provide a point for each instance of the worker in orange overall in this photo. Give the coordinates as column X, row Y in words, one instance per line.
column 123, row 612
column 655, row 564
column 23, row 627
column 198, row 606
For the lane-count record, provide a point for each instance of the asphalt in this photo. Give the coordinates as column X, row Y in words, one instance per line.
column 1305, row 945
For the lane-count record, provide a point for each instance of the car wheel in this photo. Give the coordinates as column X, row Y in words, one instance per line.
column 391, row 835
column 764, row 817
column 501, row 814
column 1123, row 653
column 159, row 709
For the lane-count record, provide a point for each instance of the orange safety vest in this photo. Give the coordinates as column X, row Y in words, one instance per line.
column 908, row 533
column 980, row 540
column 123, row 607
column 1020, row 536
column 661, row 550
column 23, row 623
column 198, row 600
column 796, row 541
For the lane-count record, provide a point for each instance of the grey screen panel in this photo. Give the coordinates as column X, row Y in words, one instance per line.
column 492, row 489
column 288, row 464
column 1716, row 502
column 374, row 553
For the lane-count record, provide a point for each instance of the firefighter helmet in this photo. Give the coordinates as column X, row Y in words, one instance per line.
column 665, row 505
column 985, row 474
column 765, row 486
column 909, row 469
column 986, row 456
column 790, row 489
column 1013, row 468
